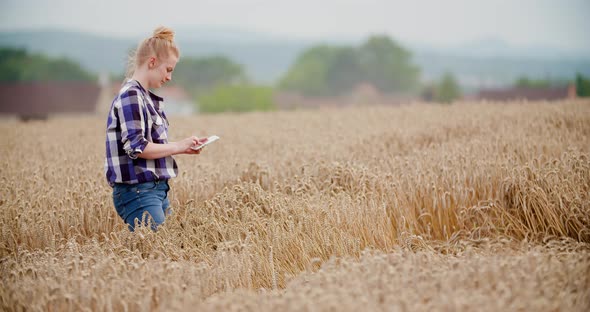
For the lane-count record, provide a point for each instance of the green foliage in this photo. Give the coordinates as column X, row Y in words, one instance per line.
column 582, row 85
column 236, row 98
column 312, row 70
column 330, row 70
column 387, row 65
column 448, row 89
column 525, row 82
column 218, row 84
column 198, row 75
column 18, row 65
column 12, row 64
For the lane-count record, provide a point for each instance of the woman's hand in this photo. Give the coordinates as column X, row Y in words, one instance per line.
column 186, row 144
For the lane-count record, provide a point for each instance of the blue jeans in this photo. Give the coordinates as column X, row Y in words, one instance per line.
column 142, row 202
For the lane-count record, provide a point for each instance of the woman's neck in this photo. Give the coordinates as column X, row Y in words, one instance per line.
column 142, row 79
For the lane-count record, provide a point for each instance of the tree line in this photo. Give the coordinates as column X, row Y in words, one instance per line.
column 218, row 84
column 17, row 65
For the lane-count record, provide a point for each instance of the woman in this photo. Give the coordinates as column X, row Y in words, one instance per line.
column 138, row 155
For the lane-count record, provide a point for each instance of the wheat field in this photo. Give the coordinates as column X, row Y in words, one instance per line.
column 463, row 207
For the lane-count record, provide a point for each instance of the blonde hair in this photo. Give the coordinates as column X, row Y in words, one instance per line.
column 160, row 44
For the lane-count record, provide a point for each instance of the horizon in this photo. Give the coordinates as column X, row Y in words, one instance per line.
column 497, row 44
column 562, row 24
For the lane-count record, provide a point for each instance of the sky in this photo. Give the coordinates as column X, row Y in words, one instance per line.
column 556, row 23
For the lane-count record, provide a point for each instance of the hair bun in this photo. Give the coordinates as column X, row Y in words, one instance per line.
column 164, row 33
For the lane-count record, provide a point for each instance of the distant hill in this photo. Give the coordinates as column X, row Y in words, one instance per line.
column 484, row 63
column 477, row 72
column 265, row 59
column 95, row 53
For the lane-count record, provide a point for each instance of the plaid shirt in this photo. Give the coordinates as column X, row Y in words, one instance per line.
column 135, row 119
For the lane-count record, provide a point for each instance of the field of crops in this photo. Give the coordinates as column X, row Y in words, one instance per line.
column 413, row 208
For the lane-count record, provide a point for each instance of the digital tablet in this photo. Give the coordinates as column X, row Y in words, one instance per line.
column 210, row 140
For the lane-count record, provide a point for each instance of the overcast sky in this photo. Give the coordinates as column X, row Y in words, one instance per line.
column 446, row 22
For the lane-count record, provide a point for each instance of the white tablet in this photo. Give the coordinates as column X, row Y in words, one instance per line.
column 210, row 140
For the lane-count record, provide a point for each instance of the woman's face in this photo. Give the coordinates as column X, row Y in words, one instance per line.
column 161, row 70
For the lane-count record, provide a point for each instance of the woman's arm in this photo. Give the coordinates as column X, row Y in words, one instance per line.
column 156, row 150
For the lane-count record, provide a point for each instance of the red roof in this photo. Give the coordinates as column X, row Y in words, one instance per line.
column 48, row 97
column 532, row 94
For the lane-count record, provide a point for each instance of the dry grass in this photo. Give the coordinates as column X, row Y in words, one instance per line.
column 461, row 207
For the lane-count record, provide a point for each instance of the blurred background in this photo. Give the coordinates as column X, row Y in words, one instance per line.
column 66, row 56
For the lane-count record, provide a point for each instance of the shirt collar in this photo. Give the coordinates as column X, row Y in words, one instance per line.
column 152, row 95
